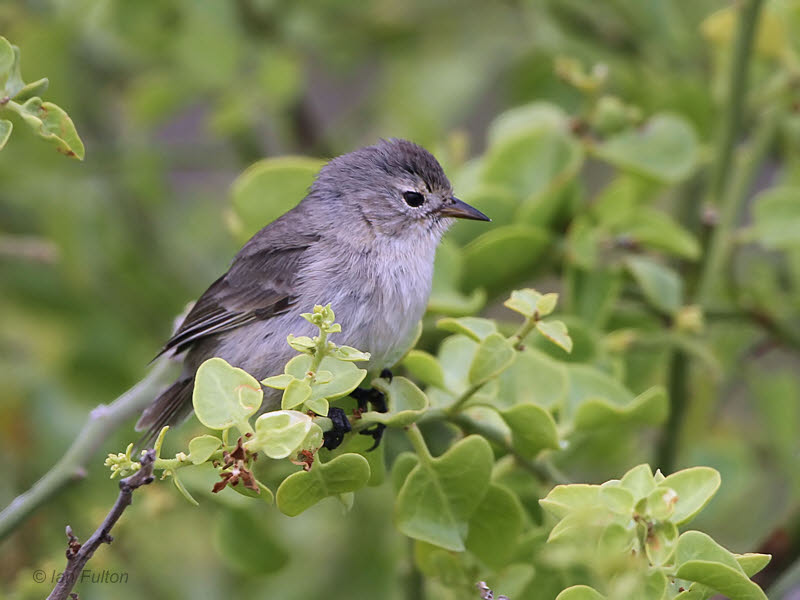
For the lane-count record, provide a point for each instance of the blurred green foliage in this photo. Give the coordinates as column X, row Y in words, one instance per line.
column 591, row 133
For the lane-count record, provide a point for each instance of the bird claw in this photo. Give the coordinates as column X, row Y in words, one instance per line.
column 333, row 438
column 377, row 399
column 376, row 433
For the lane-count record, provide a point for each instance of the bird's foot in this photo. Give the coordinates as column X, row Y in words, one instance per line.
column 377, row 400
column 332, row 439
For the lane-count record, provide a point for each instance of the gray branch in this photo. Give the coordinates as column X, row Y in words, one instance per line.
column 102, row 422
column 79, row 554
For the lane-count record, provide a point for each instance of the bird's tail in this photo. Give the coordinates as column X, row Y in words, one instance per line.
column 170, row 408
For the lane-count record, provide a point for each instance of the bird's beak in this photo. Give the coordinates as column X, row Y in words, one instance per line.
column 461, row 210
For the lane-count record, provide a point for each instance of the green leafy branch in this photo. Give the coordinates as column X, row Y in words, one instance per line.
column 630, row 527
column 46, row 119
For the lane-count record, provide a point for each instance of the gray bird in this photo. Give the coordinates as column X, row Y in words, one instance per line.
column 363, row 239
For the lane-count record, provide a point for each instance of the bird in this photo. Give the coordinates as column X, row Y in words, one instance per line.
column 363, row 239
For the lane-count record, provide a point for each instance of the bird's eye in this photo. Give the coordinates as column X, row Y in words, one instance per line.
column 414, row 199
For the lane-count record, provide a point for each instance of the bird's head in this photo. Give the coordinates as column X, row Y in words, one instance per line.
column 394, row 188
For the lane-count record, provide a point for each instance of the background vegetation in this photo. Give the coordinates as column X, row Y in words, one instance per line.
column 639, row 157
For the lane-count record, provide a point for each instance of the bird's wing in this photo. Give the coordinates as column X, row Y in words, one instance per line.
column 259, row 285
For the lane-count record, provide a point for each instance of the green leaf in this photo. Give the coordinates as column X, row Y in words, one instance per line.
column 441, row 494
column 556, row 332
column 532, row 429
column 474, row 327
column 349, row 354
column 722, row 578
column 664, row 149
column 564, row 499
column 425, row 367
column 534, row 161
column 52, row 124
column 616, row 498
column 695, row 488
column 363, row 445
column 345, row 376
column 546, row 304
column 654, row 229
column 201, row 448
column 648, row 408
column 278, row 382
column 35, row 88
column 446, row 295
column 244, row 542
column 580, row 592
column 751, row 563
column 503, row 255
column 507, row 125
column 302, row 344
column 661, row 285
column 695, row 545
column 495, row 354
column 225, row 396
column 7, row 61
column 776, row 217
column 534, row 378
column 405, row 403
column 5, row 132
column 495, row 526
column 403, row 465
column 302, row 490
column 639, row 481
column 282, row 433
column 263, row 493
column 661, row 542
column 295, row 394
column 524, row 302
column 269, row 188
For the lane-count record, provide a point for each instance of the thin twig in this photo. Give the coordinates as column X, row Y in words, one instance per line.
column 79, row 554
column 102, row 422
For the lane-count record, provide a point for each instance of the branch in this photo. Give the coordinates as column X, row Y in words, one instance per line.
column 79, row 554
column 102, row 422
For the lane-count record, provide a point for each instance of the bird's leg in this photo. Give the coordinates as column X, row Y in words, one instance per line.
column 377, row 399
column 333, row 438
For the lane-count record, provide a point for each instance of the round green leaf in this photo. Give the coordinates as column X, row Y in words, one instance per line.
column 776, row 216
column 201, row 448
column 664, row 149
column 533, row 378
column 269, row 188
column 223, row 395
column 661, row 285
column 495, row 526
column 695, row 488
column 441, row 494
column 556, row 332
column 424, row 367
column 580, row 592
column 295, row 394
column 475, row 327
column 302, row 490
column 503, row 255
column 494, row 355
column 281, row 433
column 532, row 429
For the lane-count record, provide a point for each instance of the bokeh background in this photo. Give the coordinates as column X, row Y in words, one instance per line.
column 176, row 98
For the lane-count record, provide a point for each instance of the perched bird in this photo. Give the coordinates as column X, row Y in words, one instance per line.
column 363, row 239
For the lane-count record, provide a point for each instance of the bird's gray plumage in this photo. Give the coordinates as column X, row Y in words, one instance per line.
column 354, row 242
